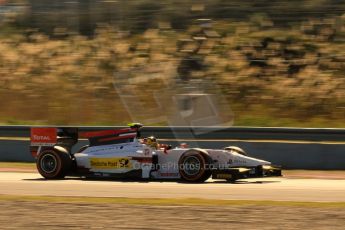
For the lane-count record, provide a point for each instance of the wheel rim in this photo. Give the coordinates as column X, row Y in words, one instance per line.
column 191, row 165
column 48, row 163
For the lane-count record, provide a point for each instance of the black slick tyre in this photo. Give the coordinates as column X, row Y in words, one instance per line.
column 53, row 164
column 194, row 166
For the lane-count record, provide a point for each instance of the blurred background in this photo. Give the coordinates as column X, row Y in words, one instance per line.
column 175, row 62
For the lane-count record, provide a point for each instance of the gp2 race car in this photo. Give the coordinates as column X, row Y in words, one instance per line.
column 123, row 154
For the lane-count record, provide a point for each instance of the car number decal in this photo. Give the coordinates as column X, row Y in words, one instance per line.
column 110, row 163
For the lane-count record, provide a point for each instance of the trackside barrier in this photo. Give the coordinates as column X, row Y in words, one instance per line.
column 295, row 148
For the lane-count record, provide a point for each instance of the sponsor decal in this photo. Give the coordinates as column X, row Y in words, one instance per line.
column 103, row 150
column 240, row 161
column 43, row 136
column 110, row 163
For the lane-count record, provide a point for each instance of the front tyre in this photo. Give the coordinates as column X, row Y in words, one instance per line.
column 53, row 164
column 194, row 166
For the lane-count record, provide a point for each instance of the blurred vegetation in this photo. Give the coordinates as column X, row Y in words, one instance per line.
column 276, row 63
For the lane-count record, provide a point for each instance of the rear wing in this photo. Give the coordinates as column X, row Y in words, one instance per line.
column 41, row 136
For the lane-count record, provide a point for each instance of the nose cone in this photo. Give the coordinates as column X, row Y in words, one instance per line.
column 265, row 162
column 251, row 161
column 259, row 162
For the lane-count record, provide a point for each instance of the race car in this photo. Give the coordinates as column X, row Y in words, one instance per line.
column 124, row 154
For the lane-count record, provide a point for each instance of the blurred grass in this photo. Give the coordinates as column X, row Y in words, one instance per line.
column 20, row 165
column 266, row 73
column 171, row 201
column 272, row 121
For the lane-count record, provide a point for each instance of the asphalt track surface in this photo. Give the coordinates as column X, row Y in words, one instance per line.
column 275, row 189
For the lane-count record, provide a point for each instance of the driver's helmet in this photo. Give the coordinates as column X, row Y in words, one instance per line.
column 152, row 142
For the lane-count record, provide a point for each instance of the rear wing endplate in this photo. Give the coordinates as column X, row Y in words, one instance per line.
column 43, row 136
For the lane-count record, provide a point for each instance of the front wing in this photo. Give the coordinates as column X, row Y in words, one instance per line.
column 232, row 174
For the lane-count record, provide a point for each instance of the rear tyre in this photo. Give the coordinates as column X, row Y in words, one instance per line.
column 53, row 164
column 194, row 166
